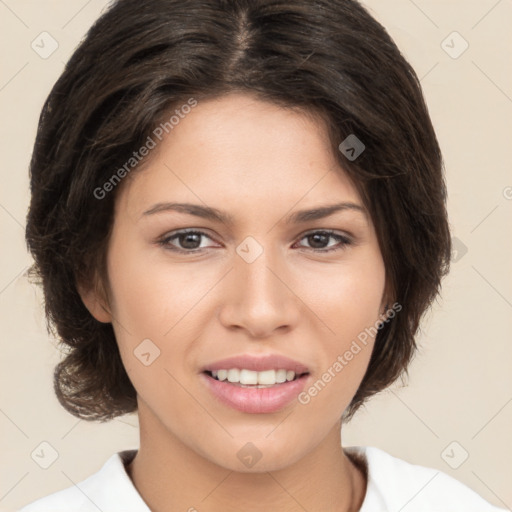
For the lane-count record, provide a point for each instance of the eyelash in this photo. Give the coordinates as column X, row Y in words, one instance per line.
column 165, row 241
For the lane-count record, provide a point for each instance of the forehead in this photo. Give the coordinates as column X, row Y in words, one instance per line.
column 238, row 151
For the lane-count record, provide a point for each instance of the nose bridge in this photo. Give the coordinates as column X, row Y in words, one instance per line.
column 261, row 301
column 256, row 278
column 259, row 284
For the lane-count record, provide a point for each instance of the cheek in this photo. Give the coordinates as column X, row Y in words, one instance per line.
column 162, row 303
column 348, row 297
column 349, row 303
column 150, row 298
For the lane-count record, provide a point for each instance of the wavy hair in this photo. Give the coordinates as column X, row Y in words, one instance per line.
column 142, row 59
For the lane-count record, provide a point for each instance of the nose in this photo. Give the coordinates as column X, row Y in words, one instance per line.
column 259, row 297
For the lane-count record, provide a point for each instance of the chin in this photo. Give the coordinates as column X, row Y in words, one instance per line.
column 259, row 456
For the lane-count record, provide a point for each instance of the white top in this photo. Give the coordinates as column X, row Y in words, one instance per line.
column 393, row 485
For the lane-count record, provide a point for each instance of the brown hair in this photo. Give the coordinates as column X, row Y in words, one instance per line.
column 139, row 60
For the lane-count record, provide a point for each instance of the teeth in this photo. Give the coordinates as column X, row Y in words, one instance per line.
column 267, row 377
column 281, row 376
column 249, row 377
column 234, row 375
column 252, row 378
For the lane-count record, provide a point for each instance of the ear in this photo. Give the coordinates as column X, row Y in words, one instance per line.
column 95, row 302
column 387, row 301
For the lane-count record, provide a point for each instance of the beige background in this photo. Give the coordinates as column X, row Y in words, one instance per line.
column 460, row 386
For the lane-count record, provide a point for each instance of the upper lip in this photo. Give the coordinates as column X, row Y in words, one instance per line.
column 258, row 363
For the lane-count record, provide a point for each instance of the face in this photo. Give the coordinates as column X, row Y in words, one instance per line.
column 285, row 294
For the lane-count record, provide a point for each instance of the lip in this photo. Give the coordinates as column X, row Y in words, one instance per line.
column 258, row 363
column 255, row 400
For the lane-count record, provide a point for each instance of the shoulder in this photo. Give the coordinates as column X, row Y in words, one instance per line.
column 108, row 489
column 394, row 484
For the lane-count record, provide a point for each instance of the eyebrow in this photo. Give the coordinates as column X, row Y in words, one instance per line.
column 209, row 213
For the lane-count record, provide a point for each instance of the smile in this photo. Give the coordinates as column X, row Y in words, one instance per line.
column 252, row 378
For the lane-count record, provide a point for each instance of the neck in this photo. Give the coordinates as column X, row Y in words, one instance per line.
column 170, row 476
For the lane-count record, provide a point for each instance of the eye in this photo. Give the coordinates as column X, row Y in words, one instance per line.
column 189, row 240
column 319, row 241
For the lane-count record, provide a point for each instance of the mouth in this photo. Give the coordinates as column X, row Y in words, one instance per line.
column 246, row 378
column 256, row 385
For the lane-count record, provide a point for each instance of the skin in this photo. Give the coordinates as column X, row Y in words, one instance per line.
column 259, row 163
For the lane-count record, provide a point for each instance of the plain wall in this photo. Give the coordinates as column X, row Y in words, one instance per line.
column 460, row 384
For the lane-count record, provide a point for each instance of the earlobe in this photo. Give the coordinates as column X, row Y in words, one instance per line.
column 383, row 314
column 91, row 299
column 385, row 310
column 387, row 301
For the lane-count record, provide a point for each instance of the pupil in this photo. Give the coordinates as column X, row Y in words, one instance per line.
column 320, row 238
column 192, row 238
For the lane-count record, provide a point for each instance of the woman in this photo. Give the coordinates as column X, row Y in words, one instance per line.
column 238, row 218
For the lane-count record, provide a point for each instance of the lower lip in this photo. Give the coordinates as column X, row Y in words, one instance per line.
column 255, row 400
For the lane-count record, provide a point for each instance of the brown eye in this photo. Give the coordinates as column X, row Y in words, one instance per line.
column 319, row 241
column 189, row 240
column 184, row 241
